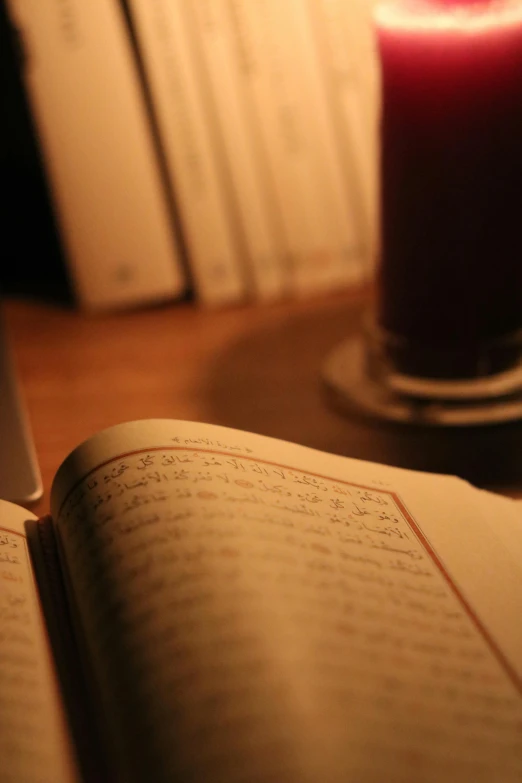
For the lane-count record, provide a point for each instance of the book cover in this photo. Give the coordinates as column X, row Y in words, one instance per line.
column 98, row 150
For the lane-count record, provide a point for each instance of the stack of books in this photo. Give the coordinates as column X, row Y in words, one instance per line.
column 221, row 146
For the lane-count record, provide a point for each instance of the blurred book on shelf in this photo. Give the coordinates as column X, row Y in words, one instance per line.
column 224, row 148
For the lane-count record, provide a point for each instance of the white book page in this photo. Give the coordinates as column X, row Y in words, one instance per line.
column 504, row 516
column 34, row 745
column 256, row 610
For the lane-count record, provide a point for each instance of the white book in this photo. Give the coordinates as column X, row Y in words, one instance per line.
column 345, row 36
column 263, row 32
column 338, row 200
column 101, row 162
column 186, row 128
column 253, row 197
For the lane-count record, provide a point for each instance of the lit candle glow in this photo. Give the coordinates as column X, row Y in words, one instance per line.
column 450, row 274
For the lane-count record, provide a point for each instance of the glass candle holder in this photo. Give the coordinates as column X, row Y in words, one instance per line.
column 443, row 342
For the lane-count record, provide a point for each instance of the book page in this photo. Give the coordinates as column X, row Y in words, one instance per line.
column 506, row 525
column 258, row 611
column 34, row 746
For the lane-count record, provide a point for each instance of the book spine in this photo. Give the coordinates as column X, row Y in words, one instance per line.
column 187, row 133
column 99, row 154
column 332, row 195
column 261, row 44
column 283, row 78
column 244, row 157
column 345, row 38
column 341, row 197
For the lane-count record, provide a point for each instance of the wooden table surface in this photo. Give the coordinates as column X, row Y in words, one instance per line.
column 252, row 367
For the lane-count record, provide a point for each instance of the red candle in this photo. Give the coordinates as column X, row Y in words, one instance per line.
column 450, row 275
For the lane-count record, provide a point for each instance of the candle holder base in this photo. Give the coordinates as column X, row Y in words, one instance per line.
column 355, row 385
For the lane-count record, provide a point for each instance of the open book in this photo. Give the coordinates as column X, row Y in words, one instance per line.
column 212, row 605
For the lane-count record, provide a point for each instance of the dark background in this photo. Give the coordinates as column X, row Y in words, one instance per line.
column 31, row 260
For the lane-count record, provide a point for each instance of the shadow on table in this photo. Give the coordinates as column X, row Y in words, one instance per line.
column 269, row 382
